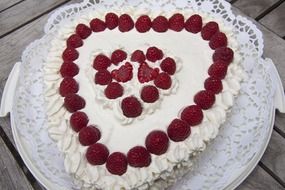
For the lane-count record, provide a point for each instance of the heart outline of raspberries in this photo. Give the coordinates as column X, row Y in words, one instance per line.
column 157, row 141
column 123, row 72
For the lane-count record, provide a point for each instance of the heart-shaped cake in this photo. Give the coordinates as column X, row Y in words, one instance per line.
column 132, row 96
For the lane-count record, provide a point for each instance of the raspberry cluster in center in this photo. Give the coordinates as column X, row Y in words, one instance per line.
column 161, row 77
column 157, row 141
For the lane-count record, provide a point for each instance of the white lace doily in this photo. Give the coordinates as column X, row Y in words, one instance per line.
column 240, row 138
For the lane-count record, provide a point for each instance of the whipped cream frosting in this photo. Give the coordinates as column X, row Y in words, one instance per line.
column 193, row 57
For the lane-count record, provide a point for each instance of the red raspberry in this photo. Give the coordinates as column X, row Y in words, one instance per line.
column 157, row 142
column 74, row 41
column 139, row 157
column 143, row 24
column 97, row 154
column 213, row 84
column 111, row 20
column 69, row 69
column 153, row 54
column 103, row 77
column 149, row 94
column 83, row 31
column 138, row 56
column 124, row 73
column 205, row 99
column 97, row 25
column 73, row 102
column 194, row 24
column 160, row 24
column 78, row 120
column 117, row 163
column 163, row 81
column 178, row 130
column 218, row 70
column 146, row 73
column 114, row 90
column 125, row 23
column 218, row 40
column 70, row 54
column 193, row 115
column 101, row 62
column 176, row 22
column 168, row 65
column 131, row 107
column 89, row 135
column 224, row 54
column 118, row 56
column 68, row 86
column 209, row 30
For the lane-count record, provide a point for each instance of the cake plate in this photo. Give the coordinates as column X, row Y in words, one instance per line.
column 228, row 159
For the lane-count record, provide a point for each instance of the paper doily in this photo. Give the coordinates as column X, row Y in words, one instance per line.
column 239, row 139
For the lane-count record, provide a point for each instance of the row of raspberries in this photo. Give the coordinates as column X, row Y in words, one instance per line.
column 210, row 31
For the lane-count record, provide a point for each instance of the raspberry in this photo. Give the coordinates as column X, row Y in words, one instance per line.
column 78, row 120
column 218, row 70
column 194, row 24
column 213, row 84
column 168, row 65
column 103, row 77
column 101, row 62
column 118, row 56
column 146, row 73
column 153, row 54
column 205, row 99
column 69, row 69
column 143, row 24
column 117, row 163
column 218, row 40
column 97, row 25
column 178, row 130
column 160, row 24
column 70, row 54
column 74, row 41
column 125, row 23
column 193, row 115
column 89, row 135
column 113, row 90
column 83, row 31
column 139, row 157
column 73, row 102
column 163, row 81
column 224, row 54
column 138, row 56
column 157, row 142
column 149, row 94
column 111, row 20
column 176, row 22
column 124, row 73
column 97, row 154
column 209, row 30
column 131, row 107
column 68, row 86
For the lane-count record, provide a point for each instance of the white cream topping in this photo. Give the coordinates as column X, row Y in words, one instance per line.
column 195, row 57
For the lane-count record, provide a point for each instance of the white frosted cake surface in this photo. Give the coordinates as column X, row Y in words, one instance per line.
column 189, row 80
